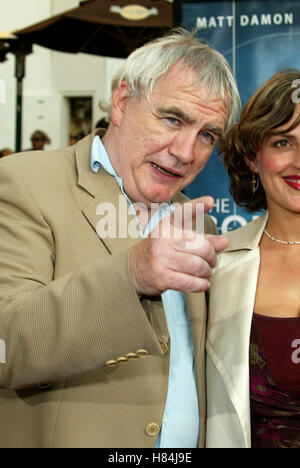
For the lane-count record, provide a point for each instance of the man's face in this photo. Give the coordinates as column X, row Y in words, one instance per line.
column 37, row 143
column 159, row 147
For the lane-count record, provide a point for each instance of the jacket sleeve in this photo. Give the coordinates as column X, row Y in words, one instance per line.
column 57, row 329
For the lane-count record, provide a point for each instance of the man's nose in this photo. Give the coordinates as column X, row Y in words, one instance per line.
column 183, row 147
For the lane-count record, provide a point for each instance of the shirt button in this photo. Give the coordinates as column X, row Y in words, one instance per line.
column 152, row 429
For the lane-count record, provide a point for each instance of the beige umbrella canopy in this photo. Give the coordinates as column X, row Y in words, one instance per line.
column 111, row 28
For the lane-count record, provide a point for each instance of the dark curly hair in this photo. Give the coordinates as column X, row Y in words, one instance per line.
column 269, row 108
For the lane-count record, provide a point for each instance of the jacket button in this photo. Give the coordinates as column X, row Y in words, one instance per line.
column 142, row 352
column 164, row 347
column 122, row 359
column 131, row 356
column 152, row 429
column 111, row 363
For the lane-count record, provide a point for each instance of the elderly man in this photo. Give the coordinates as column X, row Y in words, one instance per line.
column 104, row 340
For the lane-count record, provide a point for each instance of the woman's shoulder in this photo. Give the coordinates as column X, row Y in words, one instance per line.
column 248, row 236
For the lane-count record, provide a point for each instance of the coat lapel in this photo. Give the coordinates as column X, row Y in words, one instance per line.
column 110, row 216
column 106, row 209
column 232, row 298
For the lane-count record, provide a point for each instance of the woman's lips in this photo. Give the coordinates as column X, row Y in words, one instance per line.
column 293, row 182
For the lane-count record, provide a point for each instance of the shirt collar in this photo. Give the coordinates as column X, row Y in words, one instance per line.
column 100, row 158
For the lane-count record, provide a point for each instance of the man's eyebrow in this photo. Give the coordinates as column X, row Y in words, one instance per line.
column 177, row 113
column 214, row 129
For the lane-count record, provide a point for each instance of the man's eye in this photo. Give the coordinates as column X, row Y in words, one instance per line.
column 172, row 120
column 208, row 136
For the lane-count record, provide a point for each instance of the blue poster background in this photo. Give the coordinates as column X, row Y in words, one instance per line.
column 258, row 38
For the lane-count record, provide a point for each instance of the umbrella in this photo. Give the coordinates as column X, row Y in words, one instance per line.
column 9, row 43
column 111, row 28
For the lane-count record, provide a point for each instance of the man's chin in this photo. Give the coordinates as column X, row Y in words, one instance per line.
column 160, row 197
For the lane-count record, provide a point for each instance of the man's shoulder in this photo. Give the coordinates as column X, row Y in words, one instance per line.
column 33, row 165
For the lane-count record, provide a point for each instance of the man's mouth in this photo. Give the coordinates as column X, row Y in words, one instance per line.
column 165, row 171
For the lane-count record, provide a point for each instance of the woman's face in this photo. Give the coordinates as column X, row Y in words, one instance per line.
column 278, row 165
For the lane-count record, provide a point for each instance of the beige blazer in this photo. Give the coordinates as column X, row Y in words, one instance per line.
column 86, row 360
column 232, row 297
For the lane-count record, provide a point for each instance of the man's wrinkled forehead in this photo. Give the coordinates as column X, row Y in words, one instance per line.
column 185, row 78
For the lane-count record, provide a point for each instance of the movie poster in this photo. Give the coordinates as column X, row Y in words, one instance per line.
column 258, row 38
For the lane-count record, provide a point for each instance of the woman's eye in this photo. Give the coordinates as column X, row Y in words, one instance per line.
column 282, row 144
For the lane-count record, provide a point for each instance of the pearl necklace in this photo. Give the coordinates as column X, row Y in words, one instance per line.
column 281, row 241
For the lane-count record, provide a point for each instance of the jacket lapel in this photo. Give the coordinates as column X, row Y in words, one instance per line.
column 110, row 216
column 232, row 298
column 106, row 209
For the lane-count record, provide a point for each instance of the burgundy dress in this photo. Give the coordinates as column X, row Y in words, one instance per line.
column 275, row 382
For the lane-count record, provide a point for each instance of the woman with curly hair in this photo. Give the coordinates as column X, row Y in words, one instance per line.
column 253, row 344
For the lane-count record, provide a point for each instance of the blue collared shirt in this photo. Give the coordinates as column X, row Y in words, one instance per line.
column 181, row 423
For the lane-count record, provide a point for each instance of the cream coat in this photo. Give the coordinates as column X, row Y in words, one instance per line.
column 68, row 306
column 232, row 298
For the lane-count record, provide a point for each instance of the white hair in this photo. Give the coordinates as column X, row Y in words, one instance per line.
column 105, row 105
column 147, row 64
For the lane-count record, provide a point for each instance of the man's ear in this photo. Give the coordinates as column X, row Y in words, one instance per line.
column 251, row 164
column 120, row 99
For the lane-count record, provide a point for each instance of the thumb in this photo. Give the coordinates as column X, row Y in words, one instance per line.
column 218, row 242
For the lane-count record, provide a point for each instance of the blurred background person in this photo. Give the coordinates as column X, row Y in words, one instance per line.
column 5, row 152
column 105, row 106
column 39, row 139
column 75, row 138
column 102, row 123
